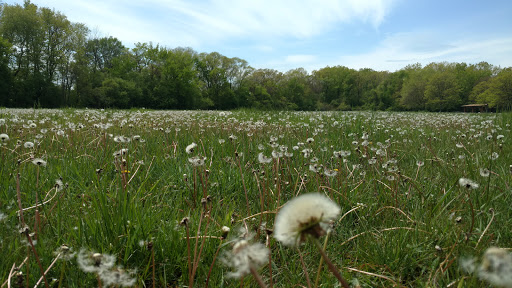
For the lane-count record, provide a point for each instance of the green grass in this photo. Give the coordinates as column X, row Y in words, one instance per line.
column 402, row 229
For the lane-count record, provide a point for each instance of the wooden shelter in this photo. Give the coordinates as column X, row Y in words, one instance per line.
column 475, row 108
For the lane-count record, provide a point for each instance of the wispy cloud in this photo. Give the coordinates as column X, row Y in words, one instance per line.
column 400, row 49
column 203, row 22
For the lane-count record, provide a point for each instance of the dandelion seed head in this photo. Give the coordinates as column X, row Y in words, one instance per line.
column 306, row 214
column 93, row 262
column 264, row 159
column 496, row 267
column 245, row 256
column 28, row 145
column 468, row 183
column 4, row 137
column 197, row 161
column 117, row 277
column 190, row 148
column 484, row 172
column 39, row 162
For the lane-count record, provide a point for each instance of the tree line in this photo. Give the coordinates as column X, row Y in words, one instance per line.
column 48, row 61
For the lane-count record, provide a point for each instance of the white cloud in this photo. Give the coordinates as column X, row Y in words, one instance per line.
column 398, row 50
column 201, row 24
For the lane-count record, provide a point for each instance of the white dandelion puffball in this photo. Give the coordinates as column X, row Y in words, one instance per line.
column 306, row 214
column 245, row 256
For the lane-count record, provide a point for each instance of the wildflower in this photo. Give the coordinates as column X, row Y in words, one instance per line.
column 264, row 159
column 28, row 145
column 468, row 183
column 306, row 214
column 245, row 258
column 94, row 262
column 190, row 148
column 39, row 162
column 484, row 172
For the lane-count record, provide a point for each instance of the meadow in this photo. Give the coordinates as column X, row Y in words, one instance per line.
column 142, row 198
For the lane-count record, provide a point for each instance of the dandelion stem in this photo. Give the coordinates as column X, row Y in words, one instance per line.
column 188, row 254
column 213, row 262
column 243, row 184
column 321, row 262
column 331, row 266
column 304, row 268
column 47, row 270
column 257, row 277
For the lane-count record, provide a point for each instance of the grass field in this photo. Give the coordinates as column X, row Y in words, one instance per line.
column 123, row 198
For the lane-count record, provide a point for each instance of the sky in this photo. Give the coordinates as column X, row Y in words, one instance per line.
column 384, row 35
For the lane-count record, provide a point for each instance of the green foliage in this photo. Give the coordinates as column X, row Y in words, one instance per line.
column 55, row 64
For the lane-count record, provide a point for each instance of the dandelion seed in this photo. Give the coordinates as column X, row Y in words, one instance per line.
column 244, row 257
column 39, row 162
column 307, row 214
column 190, row 148
column 468, row 183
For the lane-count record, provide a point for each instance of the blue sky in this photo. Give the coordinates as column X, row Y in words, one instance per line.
column 312, row 34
